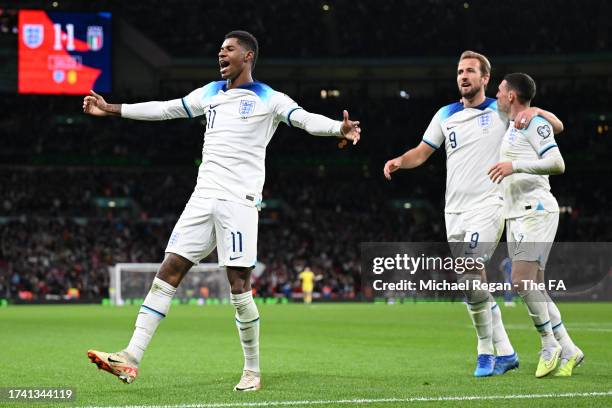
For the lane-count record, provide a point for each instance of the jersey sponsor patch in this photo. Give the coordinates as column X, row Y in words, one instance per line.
column 246, row 108
column 544, row 131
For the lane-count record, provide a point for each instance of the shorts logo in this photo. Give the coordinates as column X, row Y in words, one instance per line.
column 33, row 35
column 484, row 120
column 246, row 108
column 544, row 131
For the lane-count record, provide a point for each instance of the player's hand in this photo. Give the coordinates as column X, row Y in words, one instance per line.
column 350, row 129
column 95, row 105
column 500, row 171
column 391, row 166
column 522, row 119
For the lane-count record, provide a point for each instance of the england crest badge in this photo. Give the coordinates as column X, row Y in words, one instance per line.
column 512, row 135
column 484, row 120
column 33, row 35
column 246, row 108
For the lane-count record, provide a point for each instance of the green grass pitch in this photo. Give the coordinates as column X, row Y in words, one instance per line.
column 337, row 353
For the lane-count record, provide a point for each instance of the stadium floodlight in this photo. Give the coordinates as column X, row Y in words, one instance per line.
column 130, row 281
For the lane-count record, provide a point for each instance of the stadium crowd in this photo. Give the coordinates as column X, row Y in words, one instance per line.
column 54, row 236
column 78, row 194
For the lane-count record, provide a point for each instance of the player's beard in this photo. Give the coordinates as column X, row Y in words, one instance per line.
column 471, row 93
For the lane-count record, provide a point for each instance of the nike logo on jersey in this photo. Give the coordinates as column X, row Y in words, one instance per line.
column 234, row 258
column 213, row 106
column 450, row 127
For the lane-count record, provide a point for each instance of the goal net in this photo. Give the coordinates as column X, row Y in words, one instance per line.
column 130, row 282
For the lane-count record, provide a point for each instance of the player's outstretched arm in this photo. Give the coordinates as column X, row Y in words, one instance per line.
column 319, row 125
column 411, row 159
column 522, row 119
column 350, row 128
column 95, row 105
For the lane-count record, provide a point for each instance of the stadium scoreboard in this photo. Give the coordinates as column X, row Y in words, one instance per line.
column 63, row 53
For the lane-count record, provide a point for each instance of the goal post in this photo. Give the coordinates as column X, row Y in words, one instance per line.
column 130, row 282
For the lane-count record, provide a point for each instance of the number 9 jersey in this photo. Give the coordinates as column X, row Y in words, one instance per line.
column 472, row 138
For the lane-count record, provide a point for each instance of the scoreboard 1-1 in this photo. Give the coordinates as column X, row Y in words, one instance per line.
column 63, row 53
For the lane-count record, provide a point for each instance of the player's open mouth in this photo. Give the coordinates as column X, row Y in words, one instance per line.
column 223, row 65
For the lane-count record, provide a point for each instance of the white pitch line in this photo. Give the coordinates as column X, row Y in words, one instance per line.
column 371, row 401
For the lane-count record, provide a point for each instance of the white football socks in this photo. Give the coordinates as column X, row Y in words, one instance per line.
column 480, row 312
column 247, row 322
column 153, row 310
column 558, row 328
column 500, row 337
column 538, row 310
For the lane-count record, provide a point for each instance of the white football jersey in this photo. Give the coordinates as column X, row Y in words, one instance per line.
column 239, row 124
column 472, row 138
column 523, row 192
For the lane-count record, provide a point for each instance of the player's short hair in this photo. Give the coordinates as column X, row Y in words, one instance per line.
column 523, row 85
column 247, row 40
column 485, row 65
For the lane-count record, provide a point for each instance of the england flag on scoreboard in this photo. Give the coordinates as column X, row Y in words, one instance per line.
column 94, row 37
column 33, row 35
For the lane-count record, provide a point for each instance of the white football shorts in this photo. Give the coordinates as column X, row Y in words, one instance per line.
column 475, row 233
column 531, row 236
column 207, row 223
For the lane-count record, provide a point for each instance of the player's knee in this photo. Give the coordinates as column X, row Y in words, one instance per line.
column 473, row 292
column 522, row 283
column 516, row 283
column 239, row 279
column 173, row 269
column 237, row 288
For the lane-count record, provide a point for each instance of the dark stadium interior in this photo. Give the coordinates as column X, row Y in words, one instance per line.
column 78, row 194
column 347, row 28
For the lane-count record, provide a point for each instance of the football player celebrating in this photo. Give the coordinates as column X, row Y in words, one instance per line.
column 241, row 117
column 472, row 131
column 528, row 156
